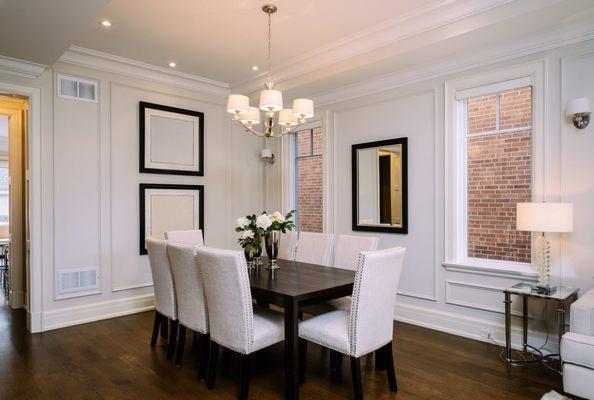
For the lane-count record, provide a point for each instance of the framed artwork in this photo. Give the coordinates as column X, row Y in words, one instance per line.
column 171, row 140
column 165, row 207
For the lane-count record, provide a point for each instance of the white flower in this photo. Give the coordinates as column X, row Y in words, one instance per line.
column 263, row 221
column 241, row 222
column 277, row 216
column 247, row 234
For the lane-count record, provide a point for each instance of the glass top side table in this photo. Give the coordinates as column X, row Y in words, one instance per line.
column 563, row 297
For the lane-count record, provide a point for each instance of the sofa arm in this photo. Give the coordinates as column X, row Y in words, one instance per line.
column 582, row 314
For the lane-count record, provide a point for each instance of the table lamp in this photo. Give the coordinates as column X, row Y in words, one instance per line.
column 543, row 218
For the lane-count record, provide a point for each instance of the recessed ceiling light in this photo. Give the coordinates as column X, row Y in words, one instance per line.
column 106, row 23
column 172, row 64
column 255, row 68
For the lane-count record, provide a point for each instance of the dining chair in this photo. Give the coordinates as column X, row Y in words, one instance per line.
column 234, row 322
column 165, row 297
column 192, row 313
column 286, row 245
column 191, row 237
column 369, row 324
column 314, row 248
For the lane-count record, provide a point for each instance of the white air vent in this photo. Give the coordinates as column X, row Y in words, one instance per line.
column 70, row 87
column 78, row 280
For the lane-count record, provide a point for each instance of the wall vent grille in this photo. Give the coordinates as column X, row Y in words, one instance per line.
column 78, row 280
column 70, row 87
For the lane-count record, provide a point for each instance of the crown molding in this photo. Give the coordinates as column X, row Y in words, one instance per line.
column 416, row 22
column 23, row 68
column 532, row 45
column 124, row 66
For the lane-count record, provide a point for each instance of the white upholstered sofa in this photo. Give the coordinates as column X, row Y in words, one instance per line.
column 577, row 349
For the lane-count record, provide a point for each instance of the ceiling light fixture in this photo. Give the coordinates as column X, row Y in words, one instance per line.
column 255, row 68
column 172, row 64
column 106, row 23
column 271, row 102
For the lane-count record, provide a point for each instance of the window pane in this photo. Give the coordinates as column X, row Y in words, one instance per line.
column 515, row 108
column 318, row 141
column 482, row 114
column 309, row 181
column 304, row 143
column 499, row 174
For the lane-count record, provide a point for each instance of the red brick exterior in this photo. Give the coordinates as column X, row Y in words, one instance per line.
column 499, row 175
column 309, row 181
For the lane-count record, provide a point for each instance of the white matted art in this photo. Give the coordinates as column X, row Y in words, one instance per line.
column 166, row 207
column 171, row 140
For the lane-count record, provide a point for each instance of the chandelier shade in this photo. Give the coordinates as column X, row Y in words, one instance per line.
column 252, row 117
column 286, row 118
column 303, row 108
column 271, row 100
column 238, row 104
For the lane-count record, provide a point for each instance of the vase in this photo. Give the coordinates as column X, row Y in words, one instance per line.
column 271, row 240
column 250, row 253
column 258, row 254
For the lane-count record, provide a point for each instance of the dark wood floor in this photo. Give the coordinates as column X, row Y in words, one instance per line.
column 112, row 360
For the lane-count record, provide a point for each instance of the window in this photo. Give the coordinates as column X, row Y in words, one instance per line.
column 490, row 169
column 308, row 180
column 3, row 191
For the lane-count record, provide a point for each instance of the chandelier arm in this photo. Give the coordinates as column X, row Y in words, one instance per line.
column 249, row 129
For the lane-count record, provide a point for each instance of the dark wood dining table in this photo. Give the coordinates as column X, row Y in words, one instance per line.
column 292, row 286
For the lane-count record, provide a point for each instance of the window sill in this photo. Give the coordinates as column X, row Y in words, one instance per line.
column 523, row 272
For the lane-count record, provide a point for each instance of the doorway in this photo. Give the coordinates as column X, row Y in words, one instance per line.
column 13, row 199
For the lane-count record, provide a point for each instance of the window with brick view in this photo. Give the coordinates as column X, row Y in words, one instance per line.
column 308, row 180
column 498, row 174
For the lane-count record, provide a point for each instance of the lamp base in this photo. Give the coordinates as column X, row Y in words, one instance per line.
column 544, row 289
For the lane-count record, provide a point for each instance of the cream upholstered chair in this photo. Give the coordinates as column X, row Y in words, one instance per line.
column 314, row 248
column 165, row 298
column 369, row 324
column 286, row 245
column 192, row 238
column 191, row 301
column 234, row 322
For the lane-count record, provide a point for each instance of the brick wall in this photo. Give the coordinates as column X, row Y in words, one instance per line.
column 309, row 181
column 499, row 175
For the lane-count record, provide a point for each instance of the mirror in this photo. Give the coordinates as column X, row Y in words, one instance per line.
column 380, row 186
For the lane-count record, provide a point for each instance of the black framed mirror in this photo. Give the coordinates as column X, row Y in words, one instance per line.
column 380, row 186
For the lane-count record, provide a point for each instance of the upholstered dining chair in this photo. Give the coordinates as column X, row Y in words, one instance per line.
column 369, row 324
column 314, row 248
column 191, row 302
column 165, row 297
column 235, row 323
column 191, row 237
column 286, row 245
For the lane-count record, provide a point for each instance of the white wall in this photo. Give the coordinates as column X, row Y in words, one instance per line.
column 464, row 302
column 90, row 201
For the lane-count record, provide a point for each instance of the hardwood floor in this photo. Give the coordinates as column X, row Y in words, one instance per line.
column 113, row 359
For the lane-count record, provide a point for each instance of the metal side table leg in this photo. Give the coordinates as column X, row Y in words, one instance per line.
column 508, row 331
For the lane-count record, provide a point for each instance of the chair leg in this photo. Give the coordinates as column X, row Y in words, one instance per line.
column 172, row 339
column 335, row 361
column 380, row 360
column 212, row 367
column 245, row 376
column 164, row 323
column 203, row 350
column 356, row 377
column 156, row 325
column 179, row 353
column 390, row 372
column 302, row 360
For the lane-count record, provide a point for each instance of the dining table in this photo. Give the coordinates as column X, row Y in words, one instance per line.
column 293, row 286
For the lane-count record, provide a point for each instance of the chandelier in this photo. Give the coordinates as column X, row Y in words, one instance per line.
column 271, row 103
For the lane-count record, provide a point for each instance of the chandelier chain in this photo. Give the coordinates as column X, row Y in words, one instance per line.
column 269, row 46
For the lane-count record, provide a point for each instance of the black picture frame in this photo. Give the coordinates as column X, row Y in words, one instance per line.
column 143, row 106
column 403, row 141
column 142, row 187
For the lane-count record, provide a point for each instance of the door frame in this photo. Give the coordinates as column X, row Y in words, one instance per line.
column 34, row 287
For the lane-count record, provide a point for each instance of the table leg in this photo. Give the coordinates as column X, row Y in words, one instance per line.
column 525, row 324
column 561, row 322
column 508, row 331
column 291, row 350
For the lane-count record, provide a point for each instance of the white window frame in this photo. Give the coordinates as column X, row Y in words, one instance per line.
column 456, row 91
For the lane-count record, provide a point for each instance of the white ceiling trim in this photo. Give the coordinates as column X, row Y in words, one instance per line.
column 416, row 22
column 532, row 45
column 108, row 62
column 27, row 69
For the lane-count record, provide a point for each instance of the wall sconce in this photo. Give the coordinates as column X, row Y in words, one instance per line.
column 267, row 156
column 579, row 112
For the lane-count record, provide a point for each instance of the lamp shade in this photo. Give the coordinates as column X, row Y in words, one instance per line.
column 271, row 100
column 303, row 108
column 251, row 117
column 544, row 217
column 578, row 106
column 238, row 103
column 286, row 117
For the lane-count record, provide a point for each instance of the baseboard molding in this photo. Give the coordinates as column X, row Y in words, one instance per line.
column 96, row 311
column 469, row 327
column 34, row 321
